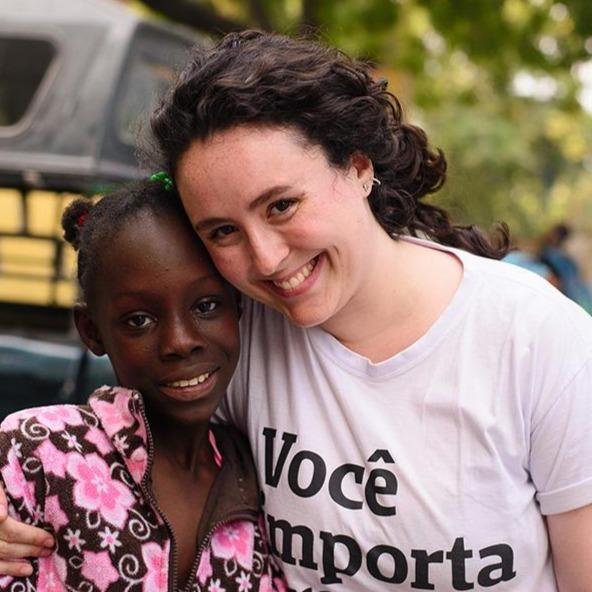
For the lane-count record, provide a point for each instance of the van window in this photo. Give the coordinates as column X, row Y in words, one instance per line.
column 149, row 71
column 23, row 64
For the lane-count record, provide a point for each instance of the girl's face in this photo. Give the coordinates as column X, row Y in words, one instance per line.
column 164, row 316
column 281, row 223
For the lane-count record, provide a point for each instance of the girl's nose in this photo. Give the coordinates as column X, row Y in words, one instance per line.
column 180, row 337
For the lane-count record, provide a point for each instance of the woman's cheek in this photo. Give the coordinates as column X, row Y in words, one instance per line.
column 230, row 266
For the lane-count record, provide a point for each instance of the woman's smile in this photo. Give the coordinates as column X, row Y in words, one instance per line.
column 300, row 281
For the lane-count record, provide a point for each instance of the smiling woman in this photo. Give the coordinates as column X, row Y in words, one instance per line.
column 419, row 412
column 408, row 406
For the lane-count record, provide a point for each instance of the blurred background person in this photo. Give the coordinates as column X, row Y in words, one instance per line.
column 564, row 266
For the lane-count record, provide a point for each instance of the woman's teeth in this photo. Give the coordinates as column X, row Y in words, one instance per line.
column 298, row 278
column 191, row 382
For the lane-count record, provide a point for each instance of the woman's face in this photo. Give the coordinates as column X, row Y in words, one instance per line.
column 281, row 224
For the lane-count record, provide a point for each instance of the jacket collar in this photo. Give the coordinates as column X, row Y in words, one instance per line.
column 121, row 414
column 235, row 490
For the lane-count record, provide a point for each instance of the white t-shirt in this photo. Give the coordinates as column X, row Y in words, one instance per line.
column 430, row 470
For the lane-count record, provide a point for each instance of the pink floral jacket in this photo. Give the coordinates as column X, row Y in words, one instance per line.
column 83, row 473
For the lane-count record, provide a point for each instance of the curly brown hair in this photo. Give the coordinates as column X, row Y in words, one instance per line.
column 333, row 101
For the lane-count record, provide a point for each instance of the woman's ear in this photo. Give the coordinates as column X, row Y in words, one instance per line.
column 361, row 167
column 88, row 331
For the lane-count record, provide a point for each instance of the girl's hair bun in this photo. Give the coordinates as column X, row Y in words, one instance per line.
column 73, row 220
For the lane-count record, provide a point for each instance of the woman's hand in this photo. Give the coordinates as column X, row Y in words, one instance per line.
column 18, row 541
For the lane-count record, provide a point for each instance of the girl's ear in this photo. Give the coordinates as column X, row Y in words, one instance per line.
column 88, row 331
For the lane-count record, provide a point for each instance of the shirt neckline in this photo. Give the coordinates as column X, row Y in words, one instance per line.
column 403, row 361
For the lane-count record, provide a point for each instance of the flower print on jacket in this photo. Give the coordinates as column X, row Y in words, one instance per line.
column 91, row 491
column 96, row 490
column 235, row 541
column 156, row 560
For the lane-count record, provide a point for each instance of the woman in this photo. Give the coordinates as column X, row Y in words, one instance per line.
column 418, row 412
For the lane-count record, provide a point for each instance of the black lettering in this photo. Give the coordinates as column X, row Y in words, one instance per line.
column 272, row 475
column 372, row 490
column 399, row 564
column 422, row 567
column 383, row 455
column 336, row 485
column 288, row 532
column 319, row 472
column 330, row 570
column 506, row 565
column 458, row 556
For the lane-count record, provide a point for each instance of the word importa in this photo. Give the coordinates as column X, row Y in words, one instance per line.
column 378, row 557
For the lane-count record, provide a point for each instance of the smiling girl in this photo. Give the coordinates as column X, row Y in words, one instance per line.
column 139, row 490
column 419, row 412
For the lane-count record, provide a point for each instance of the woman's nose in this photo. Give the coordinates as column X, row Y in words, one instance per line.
column 267, row 253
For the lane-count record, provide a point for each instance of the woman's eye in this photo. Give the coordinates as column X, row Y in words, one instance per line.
column 139, row 321
column 222, row 231
column 281, row 206
column 207, row 306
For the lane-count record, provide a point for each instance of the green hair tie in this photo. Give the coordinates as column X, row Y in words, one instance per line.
column 163, row 178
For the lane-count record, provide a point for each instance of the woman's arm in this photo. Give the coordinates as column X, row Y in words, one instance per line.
column 571, row 546
column 19, row 540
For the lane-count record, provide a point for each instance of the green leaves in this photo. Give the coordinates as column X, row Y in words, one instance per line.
column 495, row 82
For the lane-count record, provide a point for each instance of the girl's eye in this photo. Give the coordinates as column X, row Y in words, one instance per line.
column 281, row 206
column 206, row 307
column 139, row 321
column 222, row 231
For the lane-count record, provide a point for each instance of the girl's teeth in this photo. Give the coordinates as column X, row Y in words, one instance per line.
column 191, row 382
column 297, row 279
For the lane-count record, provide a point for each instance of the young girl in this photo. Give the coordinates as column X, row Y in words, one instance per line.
column 139, row 490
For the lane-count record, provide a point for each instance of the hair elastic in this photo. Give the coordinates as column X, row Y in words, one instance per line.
column 81, row 219
column 164, row 178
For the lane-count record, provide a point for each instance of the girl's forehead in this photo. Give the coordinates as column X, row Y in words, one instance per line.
column 163, row 238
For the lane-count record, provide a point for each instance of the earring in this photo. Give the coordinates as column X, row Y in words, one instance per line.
column 366, row 185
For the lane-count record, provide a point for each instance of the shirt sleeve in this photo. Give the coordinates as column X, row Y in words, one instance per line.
column 561, row 447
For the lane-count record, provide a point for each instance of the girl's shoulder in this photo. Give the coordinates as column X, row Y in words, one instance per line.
column 39, row 420
column 43, row 431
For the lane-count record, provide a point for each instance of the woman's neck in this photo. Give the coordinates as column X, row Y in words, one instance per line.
column 405, row 290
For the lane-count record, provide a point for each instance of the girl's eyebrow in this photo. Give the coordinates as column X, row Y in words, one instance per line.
column 264, row 197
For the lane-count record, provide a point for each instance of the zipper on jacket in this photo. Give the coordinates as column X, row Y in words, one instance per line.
column 147, row 491
column 242, row 515
column 250, row 515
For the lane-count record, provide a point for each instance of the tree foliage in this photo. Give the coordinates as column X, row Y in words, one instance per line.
column 497, row 84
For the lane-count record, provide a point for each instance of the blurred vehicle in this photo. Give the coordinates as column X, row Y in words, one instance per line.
column 37, row 372
column 77, row 78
